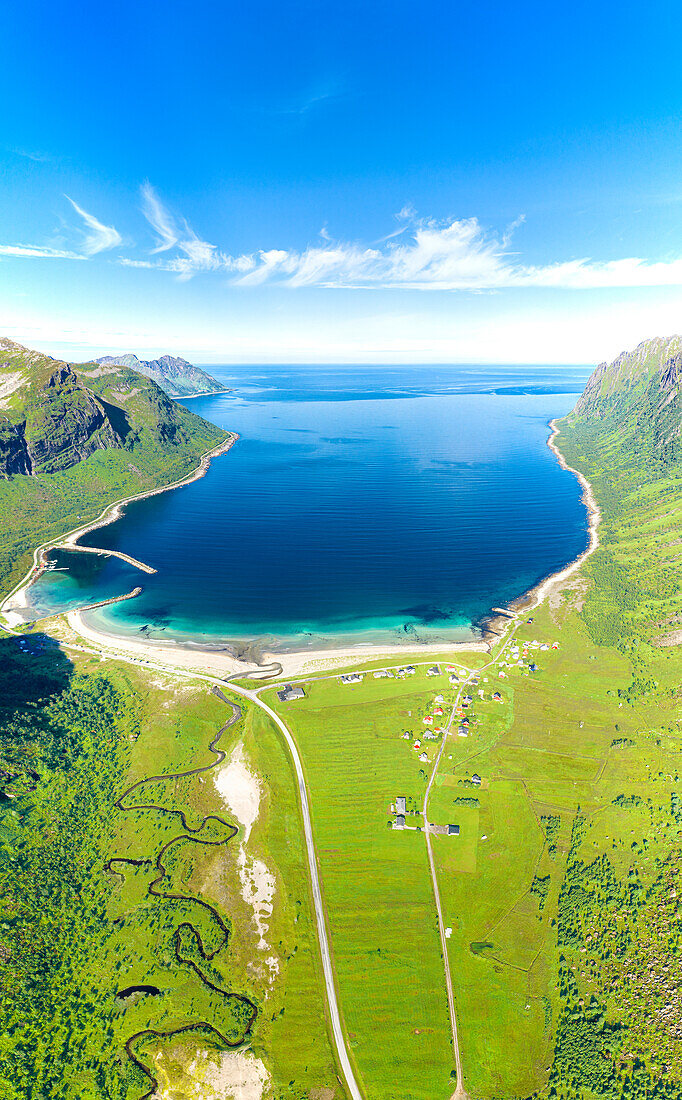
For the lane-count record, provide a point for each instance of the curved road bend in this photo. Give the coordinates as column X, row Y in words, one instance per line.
column 339, row 1040
column 323, row 941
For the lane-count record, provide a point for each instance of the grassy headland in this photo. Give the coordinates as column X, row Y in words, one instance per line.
column 73, row 440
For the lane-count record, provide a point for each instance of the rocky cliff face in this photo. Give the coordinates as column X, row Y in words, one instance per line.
column 637, row 398
column 54, row 415
column 175, row 376
column 14, row 455
column 65, row 423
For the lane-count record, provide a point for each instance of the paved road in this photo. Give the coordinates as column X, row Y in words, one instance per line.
column 459, row 1093
column 322, row 938
column 321, row 926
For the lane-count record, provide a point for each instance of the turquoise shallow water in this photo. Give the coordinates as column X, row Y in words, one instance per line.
column 360, row 503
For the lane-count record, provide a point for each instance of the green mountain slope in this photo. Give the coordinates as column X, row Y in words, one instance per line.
column 74, row 438
column 634, row 406
column 175, row 376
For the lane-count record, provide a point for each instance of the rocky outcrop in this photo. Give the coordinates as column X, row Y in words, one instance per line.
column 61, row 415
column 65, row 423
column 14, row 456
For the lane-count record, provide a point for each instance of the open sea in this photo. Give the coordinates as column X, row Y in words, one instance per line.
column 363, row 504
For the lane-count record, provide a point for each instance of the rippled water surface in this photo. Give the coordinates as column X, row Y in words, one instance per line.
column 361, row 503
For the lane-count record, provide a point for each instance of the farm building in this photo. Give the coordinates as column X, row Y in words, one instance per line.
column 453, row 830
column 289, row 693
column 400, row 821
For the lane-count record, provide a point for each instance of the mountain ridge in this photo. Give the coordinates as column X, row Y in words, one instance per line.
column 75, row 437
column 176, row 376
column 637, row 400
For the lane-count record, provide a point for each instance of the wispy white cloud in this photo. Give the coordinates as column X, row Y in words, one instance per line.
column 159, row 218
column 451, row 255
column 193, row 254
column 96, row 236
column 455, row 254
column 38, row 252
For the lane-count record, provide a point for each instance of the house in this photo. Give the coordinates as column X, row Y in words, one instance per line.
column 438, row 699
column 401, row 804
column 454, row 678
column 438, row 711
column 381, row 673
column 429, row 736
column 400, row 821
column 410, row 670
column 463, row 732
column 289, row 693
column 436, row 729
column 532, row 667
column 451, row 668
column 497, row 697
column 453, row 830
column 406, row 735
column 476, row 780
column 555, row 645
column 428, row 720
column 433, row 671
column 424, row 758
column 417, row 744
column 544, row 646
column 352, row 678
column 467, row 700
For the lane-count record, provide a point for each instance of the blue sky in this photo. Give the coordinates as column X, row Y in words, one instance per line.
column 385, row 182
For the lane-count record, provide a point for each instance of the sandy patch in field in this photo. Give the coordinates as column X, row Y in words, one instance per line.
column 229, row 1075
column 240, row 790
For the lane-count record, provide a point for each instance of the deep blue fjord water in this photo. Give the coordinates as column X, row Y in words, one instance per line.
column 361, row 503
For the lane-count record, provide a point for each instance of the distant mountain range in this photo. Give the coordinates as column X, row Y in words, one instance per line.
column 175, row 376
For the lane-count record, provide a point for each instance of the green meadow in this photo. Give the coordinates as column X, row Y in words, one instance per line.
column 560, row 892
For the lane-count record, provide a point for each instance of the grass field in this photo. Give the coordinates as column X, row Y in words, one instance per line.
column 572, row 831
column 561, row 891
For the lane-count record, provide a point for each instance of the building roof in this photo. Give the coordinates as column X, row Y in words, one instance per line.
column 288, row 693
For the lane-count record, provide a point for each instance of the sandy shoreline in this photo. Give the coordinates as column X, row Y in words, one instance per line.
column 499, row 625
column 222, row 663
column 17, row 599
